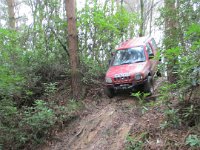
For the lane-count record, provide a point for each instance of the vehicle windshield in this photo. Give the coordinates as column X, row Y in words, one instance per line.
column 129, row 56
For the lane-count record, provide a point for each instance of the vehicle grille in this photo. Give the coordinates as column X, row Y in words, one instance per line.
column 119, row 79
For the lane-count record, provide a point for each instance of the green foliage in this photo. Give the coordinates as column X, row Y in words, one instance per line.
column 8, row 121
column 33, row 124
column 164, row 91
column 7, row 110
column 187, row 76
column 172, row 119
column 182, row 47
column 134, row 145
column 137, row 142
column 100, row 30
column 142, row 100
column 73, row 105
column 38, row 119
column 140, row 96
column 92, row 70
column 50, row 88
column 190, row 114
column 193, row 141
column 10, row 82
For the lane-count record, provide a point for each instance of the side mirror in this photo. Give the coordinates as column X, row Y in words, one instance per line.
column 151, row 56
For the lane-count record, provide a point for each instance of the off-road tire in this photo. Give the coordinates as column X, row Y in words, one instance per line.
column 148, row 86
column 109, row 92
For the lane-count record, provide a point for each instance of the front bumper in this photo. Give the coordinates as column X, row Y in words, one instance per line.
column 126, row 85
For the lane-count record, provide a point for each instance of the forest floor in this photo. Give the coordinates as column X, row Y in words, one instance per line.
column 116, row 124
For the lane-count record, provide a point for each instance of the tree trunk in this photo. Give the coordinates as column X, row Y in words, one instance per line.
column 170, row 34
column 11, row 14
column 142, row 18
column 151, row 16
column 122, row 1
column 73, row 48
column 181, row 33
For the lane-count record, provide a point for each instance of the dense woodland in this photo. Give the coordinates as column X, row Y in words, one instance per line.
column 61, row 44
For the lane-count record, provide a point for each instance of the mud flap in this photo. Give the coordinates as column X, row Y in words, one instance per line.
column 149, row 86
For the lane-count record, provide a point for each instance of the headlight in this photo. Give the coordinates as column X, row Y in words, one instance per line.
column 138, row 76
column 108, row 80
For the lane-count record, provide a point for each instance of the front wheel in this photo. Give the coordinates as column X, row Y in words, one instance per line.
column 109, row 92
column 148, row 86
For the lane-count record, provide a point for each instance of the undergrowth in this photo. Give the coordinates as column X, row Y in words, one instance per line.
column 31, row 125
column 182, row 98
column 136, row 142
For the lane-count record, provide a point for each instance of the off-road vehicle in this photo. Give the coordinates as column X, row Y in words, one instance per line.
column 132, row 66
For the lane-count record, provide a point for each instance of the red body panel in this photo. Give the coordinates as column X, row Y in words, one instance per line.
column 131, row 68
column 132, row 43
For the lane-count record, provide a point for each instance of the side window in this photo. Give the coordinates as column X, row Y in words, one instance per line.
column 153, row 42
column 149, row 50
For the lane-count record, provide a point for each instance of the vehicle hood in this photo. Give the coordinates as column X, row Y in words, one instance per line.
column 127, row 68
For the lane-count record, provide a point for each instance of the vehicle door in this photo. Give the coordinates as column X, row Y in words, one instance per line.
column 153, row 62
column 155, row 48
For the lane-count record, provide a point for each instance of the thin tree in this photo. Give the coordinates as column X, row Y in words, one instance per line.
column 11, row 14
column 171, row 35
column 141, row 30
column 73, row 48
column 151, row 17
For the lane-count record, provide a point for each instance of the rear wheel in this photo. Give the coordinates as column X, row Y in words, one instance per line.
column 148, row 86
column 109, row 92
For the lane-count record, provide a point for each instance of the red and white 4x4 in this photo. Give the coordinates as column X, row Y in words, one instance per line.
column 132, row 66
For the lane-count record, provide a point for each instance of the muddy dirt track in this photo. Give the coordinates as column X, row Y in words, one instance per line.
column 105, row 124
column 104, row 127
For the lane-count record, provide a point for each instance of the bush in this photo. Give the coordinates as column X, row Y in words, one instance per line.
column 187, row 83
column 10, row 82
column 31, row 125
column 37, row 120
column 9, row 118
column 92, row 71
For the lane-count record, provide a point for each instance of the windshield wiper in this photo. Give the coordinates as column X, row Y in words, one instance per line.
column 125, row 63
column 139, row 61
